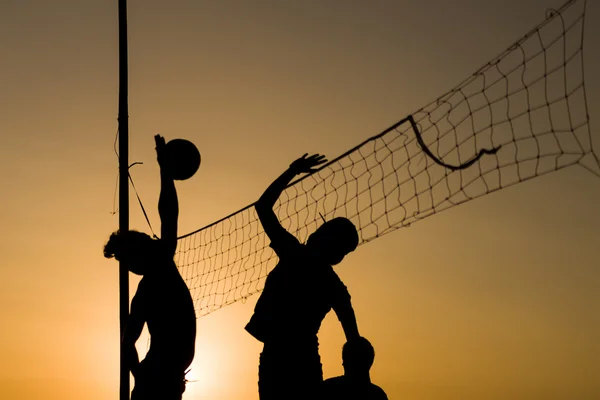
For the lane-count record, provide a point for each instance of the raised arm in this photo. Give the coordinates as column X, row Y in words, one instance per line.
column 264, row 205
column 345, row 314
column 342, row 305
column 168, row 205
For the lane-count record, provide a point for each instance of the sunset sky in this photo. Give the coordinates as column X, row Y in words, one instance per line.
column 496, row 299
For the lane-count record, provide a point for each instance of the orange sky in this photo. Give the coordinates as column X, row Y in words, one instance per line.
column 495, row 299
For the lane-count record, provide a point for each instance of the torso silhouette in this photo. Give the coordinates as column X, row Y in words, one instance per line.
column 169, row 313
column 298, row 293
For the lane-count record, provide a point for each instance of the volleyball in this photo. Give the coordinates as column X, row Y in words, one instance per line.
column 183, row 158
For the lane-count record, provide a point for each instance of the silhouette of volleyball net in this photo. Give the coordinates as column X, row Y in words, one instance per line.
column 522, row 115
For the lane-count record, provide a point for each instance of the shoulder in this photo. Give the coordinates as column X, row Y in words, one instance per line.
column 336, row 380
column 332, row 385
column 285, row 243
column 378, row 392
column 336, row 388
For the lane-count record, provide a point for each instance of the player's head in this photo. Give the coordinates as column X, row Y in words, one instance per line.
column 334, row 239
column 134, row 249
column 357, row 356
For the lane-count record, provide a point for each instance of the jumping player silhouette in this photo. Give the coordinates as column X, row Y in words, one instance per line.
column 162, row 300
column 298, row 293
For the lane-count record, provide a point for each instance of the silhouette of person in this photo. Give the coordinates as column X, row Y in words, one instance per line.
column 162, row 300
column 298, row 293
column 357, row 359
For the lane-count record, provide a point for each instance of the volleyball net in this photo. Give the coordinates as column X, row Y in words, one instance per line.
column 521, row 115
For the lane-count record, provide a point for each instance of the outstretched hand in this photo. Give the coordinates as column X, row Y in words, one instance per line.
column 160, row 152
column 160, row 147
column 307, row 164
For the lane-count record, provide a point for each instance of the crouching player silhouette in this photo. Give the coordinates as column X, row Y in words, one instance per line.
column 298, row 293
column 357, row 359
column 162, row 300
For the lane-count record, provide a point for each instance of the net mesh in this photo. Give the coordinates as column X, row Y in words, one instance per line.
column 522, row 115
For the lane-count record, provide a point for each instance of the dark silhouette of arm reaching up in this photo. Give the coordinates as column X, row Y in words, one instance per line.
column 345, row 313
column 264, row 205
column 168, row 206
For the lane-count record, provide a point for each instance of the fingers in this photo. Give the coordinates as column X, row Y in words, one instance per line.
column 160, row 149
column 307, row 163
column 159, row 140
column 317, row 159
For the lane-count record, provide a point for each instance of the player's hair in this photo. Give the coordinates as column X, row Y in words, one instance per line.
column 343, row 229
column 130, row 241
column 358, row 353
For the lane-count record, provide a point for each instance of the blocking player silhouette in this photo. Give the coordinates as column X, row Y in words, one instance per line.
column 298, row 293
column 162, row 299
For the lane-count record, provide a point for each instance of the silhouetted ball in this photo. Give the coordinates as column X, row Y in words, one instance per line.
column 183, row 158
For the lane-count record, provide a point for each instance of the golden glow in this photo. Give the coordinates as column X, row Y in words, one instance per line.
column 496, row 299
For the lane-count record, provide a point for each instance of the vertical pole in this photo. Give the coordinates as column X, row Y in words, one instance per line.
column 123, row 191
